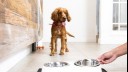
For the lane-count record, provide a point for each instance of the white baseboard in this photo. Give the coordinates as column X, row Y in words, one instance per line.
column 13, row 60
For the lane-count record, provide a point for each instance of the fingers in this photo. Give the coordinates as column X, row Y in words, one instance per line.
column 100, row 59
column 106, row 59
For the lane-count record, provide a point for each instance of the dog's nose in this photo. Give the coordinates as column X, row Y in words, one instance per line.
column 64, row 17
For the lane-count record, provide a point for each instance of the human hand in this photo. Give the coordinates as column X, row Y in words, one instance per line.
column 107, row 57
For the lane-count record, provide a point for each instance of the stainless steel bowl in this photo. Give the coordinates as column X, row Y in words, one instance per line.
column 56, row 64
column 87, row 62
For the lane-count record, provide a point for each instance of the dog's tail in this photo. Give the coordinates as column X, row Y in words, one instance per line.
column 70, row 34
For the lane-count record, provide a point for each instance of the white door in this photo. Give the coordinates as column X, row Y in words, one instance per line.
column 113, row 22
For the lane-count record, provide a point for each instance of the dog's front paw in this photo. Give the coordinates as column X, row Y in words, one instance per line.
column 51, row 54
column 67, row 50
column 61, row 53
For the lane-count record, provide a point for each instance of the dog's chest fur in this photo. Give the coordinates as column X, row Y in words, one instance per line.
column 58, row 29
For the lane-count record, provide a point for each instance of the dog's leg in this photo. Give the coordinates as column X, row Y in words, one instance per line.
column 56, row 46
column 63, row 45
column 53, row 46
column 66, row 45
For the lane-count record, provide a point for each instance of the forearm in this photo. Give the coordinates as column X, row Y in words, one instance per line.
column 120, row 50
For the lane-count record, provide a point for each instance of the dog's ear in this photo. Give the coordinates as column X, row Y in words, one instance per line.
column 54, row 15
column 68, row 16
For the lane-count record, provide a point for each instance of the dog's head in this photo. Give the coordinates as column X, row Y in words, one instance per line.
column 60, row 15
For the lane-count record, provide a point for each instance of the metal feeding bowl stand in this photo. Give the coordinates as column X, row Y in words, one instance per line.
column 86, row 65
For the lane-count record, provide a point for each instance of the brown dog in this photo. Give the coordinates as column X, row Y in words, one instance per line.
column 58, row 30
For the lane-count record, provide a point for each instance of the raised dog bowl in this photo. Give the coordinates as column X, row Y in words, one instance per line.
column 87, row 62
column 40, row 70
column 86, row 65
column 56, row 64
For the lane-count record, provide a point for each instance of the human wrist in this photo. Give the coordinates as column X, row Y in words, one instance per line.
column 115, row 53
column 118, row 52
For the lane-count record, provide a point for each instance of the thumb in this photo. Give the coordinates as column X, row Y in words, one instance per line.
column 101, row 58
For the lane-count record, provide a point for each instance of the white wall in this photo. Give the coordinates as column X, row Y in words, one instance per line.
column 83, row 23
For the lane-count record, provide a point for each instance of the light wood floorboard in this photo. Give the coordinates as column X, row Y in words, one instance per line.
column 78, row 51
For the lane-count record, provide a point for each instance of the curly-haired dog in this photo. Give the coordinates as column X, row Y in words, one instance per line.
column 58, row 30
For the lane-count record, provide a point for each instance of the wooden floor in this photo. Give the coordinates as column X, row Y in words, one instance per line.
column 78, row 51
